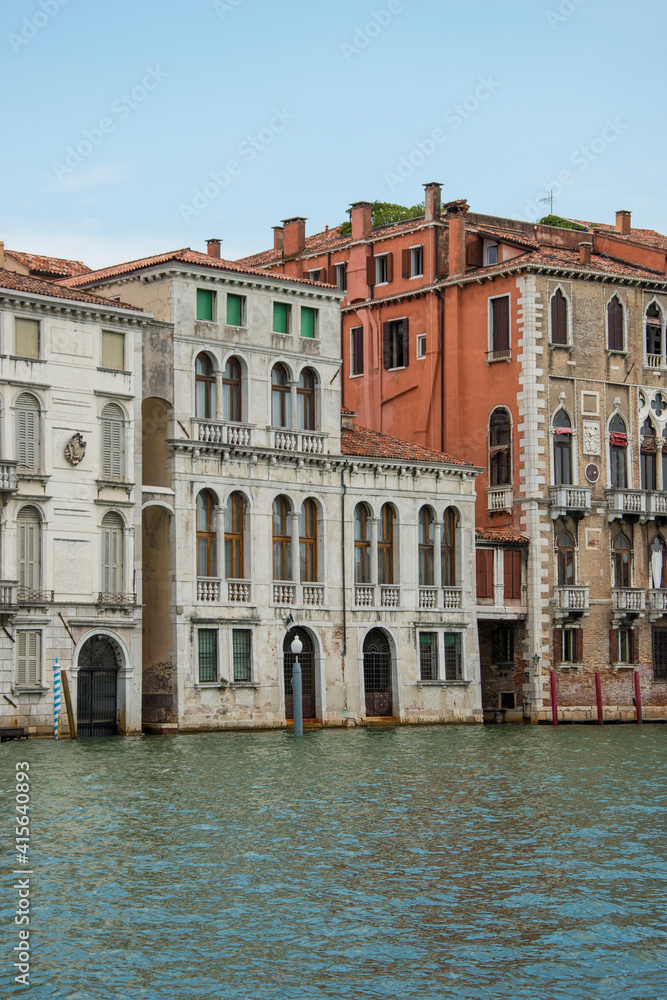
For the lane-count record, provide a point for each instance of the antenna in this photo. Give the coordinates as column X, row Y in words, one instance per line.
column 549, row 200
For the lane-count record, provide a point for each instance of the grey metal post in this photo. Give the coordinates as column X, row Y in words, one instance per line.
column 296, row 647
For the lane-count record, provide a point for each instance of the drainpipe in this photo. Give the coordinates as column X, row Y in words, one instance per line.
column 442, row 371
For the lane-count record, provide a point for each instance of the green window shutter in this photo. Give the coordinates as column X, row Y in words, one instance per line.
column 235, row 310
column 308, row 321
column 204, row 304
column 280, row 317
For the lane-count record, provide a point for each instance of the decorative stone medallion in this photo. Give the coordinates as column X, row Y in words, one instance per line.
column 75, row 449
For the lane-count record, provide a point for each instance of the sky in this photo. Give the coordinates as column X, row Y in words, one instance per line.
column 141, row 126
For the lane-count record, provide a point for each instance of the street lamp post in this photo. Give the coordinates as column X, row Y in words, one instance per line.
column 296, row 648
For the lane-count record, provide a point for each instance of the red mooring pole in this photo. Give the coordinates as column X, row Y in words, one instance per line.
column 638, row 699
column 554, row 698
column 598, row 696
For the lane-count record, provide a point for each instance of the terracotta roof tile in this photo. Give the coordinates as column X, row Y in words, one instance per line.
column 59, row 267
column 185, row 256
column 500, row 535
column 648, row 237
column 551, row 256
column 364, row 442
column 36, row 286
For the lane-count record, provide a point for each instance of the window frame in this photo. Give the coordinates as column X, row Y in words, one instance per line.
column 232, row 392
column 113, row 437
column 112, row 572
column 495, row 353
column 281, row 392
column 385, row 546
column 22, row 640
column 234, row 535
column 25, row 440
column 282, row 543
column 566, row 560
column 501, row 448
column 209, row 391
column 287, row 306
column 448, row 547
column 459, row 662
column 340, row 271
column 426, row 546
column 309, row 542
column 623, row 348
column 432, row 667
column 104, row 361
column 26, row 356
column 420, row 347
column 248, row 651
column 567, row 319
column 215, row 656
column 29, row 579
column 306, row 401
column 209, row 536
column 416, row 261
column 308, row 310
column 212, row 292
column 381, row 269
column 243, row 302
column 562, row 444
column 356, row 350
column 362, row 545
column 395, row 332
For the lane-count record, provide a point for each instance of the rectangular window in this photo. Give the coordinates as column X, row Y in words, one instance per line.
column 421, row 346
column 29, row 659
column 395, row 343
column 428, row 656
column 453, row 666
column 507, row 699
column 381, row 269
column 416, row 261
column 341, row 277
column 318, row 275
column 242, row 652
column 571, row 646
column 205, row 304
column 357, row 350
column 207, row 639
column 623, row 645
column 500, row 328
column 485, row 573
column 26, row 338
column 624, row 650
column 503, row 645
column 512, row 574
column 281, row 317
column 490, row 253
column 236, row 310
column 308, row 322
column 113, row 350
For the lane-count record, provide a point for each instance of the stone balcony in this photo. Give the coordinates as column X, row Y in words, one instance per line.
column 8, row 596
column 221, row 433
column 499, row 498
column 628, row 601
column 8, row 484
column 636, row 505
column 572, row 601
column 657, row 603
column 572, row 500
column 304, row 442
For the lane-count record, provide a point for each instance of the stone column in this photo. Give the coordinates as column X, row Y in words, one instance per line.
column 659, row 442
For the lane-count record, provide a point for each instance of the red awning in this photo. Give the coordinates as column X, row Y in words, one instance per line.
column 618, row 440
column 562, row 430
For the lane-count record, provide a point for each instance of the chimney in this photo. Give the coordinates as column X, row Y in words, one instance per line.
column 585, row 252
column 456, row 218
column 2, row 254
column 432, row 192
column 623, row 222
column 294, row 239
column 278, row 238
column 213, row 248
column 361, row 220
column 347, row 419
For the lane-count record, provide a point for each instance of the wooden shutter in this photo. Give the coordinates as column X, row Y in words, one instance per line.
column 113, row 434
column 512, row 574
column 405, row 263
column 557, row 644
column 613, row 645
column 406, row 342
column 26, row 338
column 501, row 324
column 579, row 645
column 634, row 646
column 474, row 253
column 331, row 274
column 28, row 656
column 558, row 318
column 370, row 270
column 390, row 266
column 485, row 572
column 27, row 432
column 386, row 345
column 357, row 350
column 28, row 555
column 615, row 324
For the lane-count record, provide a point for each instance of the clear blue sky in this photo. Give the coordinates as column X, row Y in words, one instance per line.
column 314, row 105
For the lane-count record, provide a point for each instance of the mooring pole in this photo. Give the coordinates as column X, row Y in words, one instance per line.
column 638, row 699
column 296, row 647
column 598, row 696
column 554, row 698
column 56, row 699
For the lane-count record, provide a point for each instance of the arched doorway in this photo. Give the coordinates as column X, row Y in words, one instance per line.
column 99, row 660
column 307, row 662
column 377, row 673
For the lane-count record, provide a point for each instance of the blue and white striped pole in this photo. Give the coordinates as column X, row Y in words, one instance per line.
column 56, row 699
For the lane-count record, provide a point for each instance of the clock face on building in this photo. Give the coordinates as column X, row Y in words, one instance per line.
column 592, row 473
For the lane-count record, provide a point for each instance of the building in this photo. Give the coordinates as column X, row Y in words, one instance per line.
column 70, row 375
column 264, row 518
column 536, row 353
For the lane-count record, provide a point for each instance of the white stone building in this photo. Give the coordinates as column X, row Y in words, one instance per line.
column 70, row 365
column 262, row 517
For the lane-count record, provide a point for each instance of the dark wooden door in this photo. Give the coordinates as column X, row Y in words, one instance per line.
column 307, row 662
column 377, row 674
column 660, row 654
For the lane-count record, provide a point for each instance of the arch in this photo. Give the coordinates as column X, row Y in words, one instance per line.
column 559, row 315
column 282, row 538
column 562, row 437
column 236, row 510
column 426, row 545
column 377, row 660
column 281, row 404
column 565, row 550
column 156, row 457
column 618, row 451
column 306, row 400
column 500, row 447
column 648, row 455
column 362, row 543
column 622, row 557
column 28, row 431
column 658, row 563
column 449, row 546
column 205, row 394
column 99, row 657
column 232, row 390
column 29, row 551
column 386, row 549
column 307, row 662
column 615, row 323
column 654, row 322
column 309, row 530
column 207, row 535
column 113, row 442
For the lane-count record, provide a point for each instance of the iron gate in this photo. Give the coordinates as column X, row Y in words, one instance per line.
column 307, row 662
column 97, row 688
column 660, row 654
column 377, row 674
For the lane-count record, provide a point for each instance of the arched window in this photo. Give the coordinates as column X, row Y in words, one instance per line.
column 615, row 324
column 500, row 448
column 562, row 448
column 281, row 410
column 565, row 559
column 28, row 549
column 362, row 544
column 426, row 537
column 618, row 452
column 282, row 539
column 658, row 566
column 308, row 542
column 449, row 548
column 558, row 318
column 234, row 537
column 648, row 455
column 112, row 554
column 386, row 546
column 232, row 408
column 207, row 538
column 113, row 442
column 653, row 336
column 305, row 400
column 27, row 432
column 622, row 560
column 204, row 388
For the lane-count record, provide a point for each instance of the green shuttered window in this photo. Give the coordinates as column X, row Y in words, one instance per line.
column 205, row 304
column 308, row 322
column 235, row 310
column 281, row 317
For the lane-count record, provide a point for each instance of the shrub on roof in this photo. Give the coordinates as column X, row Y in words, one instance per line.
column 556, row 220
column 384, row 213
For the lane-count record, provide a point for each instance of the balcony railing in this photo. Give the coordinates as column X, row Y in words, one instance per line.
column 307, row 442
column 364, row 596
column 8, row 477
column 389, row 596
column 8, row 598
column 628, row 599
column 657, row 600
column 428, row 597
column 27, row 596
column 208, row 589
column 654, row 361
column 284, row 593
column 572, row 599
column 116, row 600
column 238, row 591
column 570, row 500
column 313, row 595
column 504, row 355
column 451, row 598
column 657, row 502
column 219, row 432
column 622, row 502
column 499, row 498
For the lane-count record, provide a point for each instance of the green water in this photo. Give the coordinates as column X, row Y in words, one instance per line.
column 504, row 861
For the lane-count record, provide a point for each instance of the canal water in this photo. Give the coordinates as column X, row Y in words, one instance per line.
column 430, row 862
